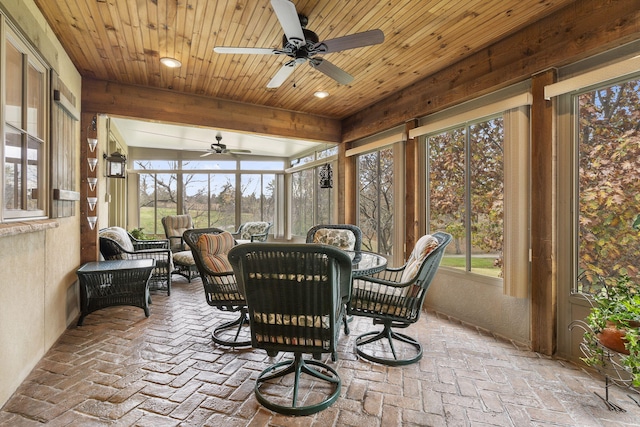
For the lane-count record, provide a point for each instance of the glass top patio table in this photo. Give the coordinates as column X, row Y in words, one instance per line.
column 365, row 263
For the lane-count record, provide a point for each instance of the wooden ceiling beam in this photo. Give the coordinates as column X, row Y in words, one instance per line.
column 575, row 32
column 180, row 108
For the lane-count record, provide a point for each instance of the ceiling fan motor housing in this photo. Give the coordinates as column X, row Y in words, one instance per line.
column 311, row 40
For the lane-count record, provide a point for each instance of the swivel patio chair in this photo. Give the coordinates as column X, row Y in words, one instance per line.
column 255, row 231
column 394, row 298
column 343, row 236
column 210, row 247
column 116, row 243
column 294, row 296
column 174, row 228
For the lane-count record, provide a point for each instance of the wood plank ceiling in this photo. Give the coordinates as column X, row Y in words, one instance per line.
column 122, row 41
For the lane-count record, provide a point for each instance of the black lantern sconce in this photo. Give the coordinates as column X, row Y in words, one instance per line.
column 326, row 176
column 115, row 165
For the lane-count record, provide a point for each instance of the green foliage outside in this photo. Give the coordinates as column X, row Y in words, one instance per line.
column 609, row 186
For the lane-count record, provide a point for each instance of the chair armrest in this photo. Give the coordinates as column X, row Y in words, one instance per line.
column 259, row 236
column 150, row 244
column 182, row 246
column 389, row 277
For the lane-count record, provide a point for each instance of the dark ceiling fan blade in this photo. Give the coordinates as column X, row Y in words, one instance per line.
column 366, row 38
column 288, row 17
column 283, row 73
column 331, row 70
column 246, row 50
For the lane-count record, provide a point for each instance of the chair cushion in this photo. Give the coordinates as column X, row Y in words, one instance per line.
column 424, row 247
column 176, row 225
column 251, row 228
column 214, row 248
column 183, row 258
column 343, row 239
column 119, row 235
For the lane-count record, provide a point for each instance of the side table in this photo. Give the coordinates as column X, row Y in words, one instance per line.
column 118, row 282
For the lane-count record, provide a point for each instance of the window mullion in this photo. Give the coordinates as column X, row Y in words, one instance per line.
column 467, row 195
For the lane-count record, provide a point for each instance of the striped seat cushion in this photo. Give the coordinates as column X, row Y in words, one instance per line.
column 214, row 249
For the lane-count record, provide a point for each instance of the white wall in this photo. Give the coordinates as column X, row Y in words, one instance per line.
column 38, row 289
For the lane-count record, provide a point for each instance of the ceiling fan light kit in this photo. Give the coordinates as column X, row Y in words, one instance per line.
column 303, row 45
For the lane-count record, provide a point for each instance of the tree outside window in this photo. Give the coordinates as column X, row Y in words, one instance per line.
column 466, row 194
column 375, row 199
column 608, row 182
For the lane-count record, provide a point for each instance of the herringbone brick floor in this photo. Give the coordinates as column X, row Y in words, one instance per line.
column 123, row 369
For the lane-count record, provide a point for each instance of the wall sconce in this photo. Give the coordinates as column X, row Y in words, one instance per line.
column 92, row 221
column 92, row 203
column 92, row 129
column 92, row 163
column 326, row 176
column 115, row 165
column 92, row 183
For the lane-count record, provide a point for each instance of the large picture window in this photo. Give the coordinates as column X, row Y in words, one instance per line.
column 608, row 181
column 211, row 198
column 466, row 193
column 376, row 201
column 25, row 88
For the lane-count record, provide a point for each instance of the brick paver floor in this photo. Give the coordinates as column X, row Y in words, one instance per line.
column 123, row 369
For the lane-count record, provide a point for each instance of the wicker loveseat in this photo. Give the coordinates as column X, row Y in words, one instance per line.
column 116, row 243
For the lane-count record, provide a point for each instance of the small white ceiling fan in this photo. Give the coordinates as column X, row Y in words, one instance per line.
column 220, row 148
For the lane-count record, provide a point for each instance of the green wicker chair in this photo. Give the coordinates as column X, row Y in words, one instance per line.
column 209, row 247
column 174, row 227
column 294, row 296
column 343, row 236
column 116, row 243
column 394, row 298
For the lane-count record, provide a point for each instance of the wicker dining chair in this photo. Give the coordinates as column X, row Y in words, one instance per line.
column 394, row 298
column 294, row 296
column 210, row 247
column 255, row 231
column 343, row 236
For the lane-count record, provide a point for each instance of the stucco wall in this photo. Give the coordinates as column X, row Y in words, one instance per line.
column 480, row 302
column 38, row 289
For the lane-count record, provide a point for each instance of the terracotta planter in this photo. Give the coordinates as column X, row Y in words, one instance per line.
column 613, row 338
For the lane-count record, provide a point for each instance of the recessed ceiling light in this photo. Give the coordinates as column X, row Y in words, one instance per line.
column 170, row 62
column 321, row 94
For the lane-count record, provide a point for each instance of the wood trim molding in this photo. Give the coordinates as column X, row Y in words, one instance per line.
column 543, row 283
column 174, row 107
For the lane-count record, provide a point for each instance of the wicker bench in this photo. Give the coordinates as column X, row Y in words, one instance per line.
column 119, row 282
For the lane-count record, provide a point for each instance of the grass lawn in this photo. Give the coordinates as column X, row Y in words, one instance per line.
column 480, row 265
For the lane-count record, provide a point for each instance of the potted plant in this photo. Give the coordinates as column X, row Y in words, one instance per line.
column 614, row 320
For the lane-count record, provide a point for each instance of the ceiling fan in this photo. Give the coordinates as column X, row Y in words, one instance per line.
column 302, row 45
column 220, row 148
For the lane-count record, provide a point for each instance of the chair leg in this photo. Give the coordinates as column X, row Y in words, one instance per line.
column 297, row 367
column 390, row 335
column 220, row 334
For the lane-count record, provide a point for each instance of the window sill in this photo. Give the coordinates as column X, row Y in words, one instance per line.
column 14, row 228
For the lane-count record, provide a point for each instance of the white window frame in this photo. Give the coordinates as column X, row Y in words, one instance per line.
column 9, row 34
column 513, row 103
